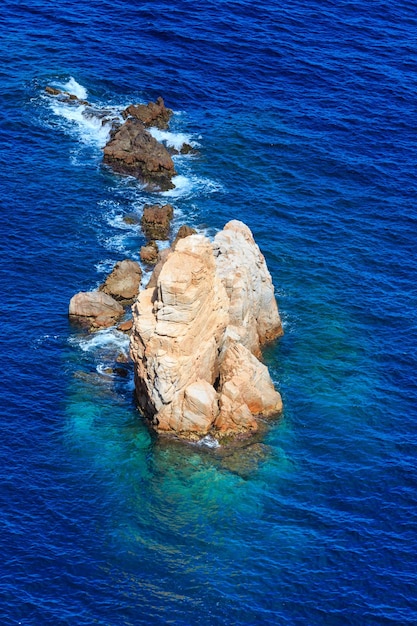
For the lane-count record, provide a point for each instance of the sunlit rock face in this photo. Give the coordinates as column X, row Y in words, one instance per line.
column 197, row 331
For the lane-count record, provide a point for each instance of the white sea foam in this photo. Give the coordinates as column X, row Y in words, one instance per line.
column 173, row 140
column 116, row 243
column 73, row 87
column 186, row 186
column 105, row 266
column 108, row 341
column 116, row 220
column 89, row 129
column 209, row 442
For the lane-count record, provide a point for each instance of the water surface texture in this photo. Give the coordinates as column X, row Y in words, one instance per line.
column 304, row 115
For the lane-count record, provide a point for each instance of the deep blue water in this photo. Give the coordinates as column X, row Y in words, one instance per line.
column 305, row 116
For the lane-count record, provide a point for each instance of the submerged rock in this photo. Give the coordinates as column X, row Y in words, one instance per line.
column 95, row 309
column 194, row 342
column 123, row 282
column 132, row 150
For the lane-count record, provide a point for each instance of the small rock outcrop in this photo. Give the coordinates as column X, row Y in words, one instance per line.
column 195, row 344
column 149, row 253
column 65, row 95
column 156, row 221
column 123, row 282
column 183, row 231
column 132, row 150
column 94, row 309
column 151, row 114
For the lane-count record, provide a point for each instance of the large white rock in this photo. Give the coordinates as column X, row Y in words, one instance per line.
column 195, row 334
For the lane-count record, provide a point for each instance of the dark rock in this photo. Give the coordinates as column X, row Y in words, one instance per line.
column 186, row 148
column 121, row 371
column 132, row 150
column 151, row 114
column 156, row 220
column 149, row 253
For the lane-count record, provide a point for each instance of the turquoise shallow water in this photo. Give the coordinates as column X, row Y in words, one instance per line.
column 304, row 114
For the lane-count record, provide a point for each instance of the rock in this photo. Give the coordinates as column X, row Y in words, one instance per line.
column 106, row 116
column 125, row 327
column 162, row 257
column 194, row 373
column 131, row 219
column 254, row 317
column 65, row 95
column 121, row 357
column 244, row 461
column 186, row 148
column 121, row 371
column 246, row 390
column 123, row 282
column 177, row 329
column 132, row 150
column 149, row 253
column 156, row 221
column 95, row 309
column 151, row 114
column 52, row 91
column 183, row 231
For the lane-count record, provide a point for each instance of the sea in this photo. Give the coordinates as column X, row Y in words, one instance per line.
column 303, row 116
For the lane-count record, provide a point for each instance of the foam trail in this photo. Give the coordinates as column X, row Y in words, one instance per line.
column 186, row 186
column 108, row 340
column 89, row 129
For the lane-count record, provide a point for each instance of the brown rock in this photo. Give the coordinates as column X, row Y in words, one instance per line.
column 183, row 231
column 125, row 327
column 149, row 253
column 156, row 220
column 95, row 309
column 53, row 91
column 132, row 150
column 151, row 114
column 162, row 257
column 123, row 282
